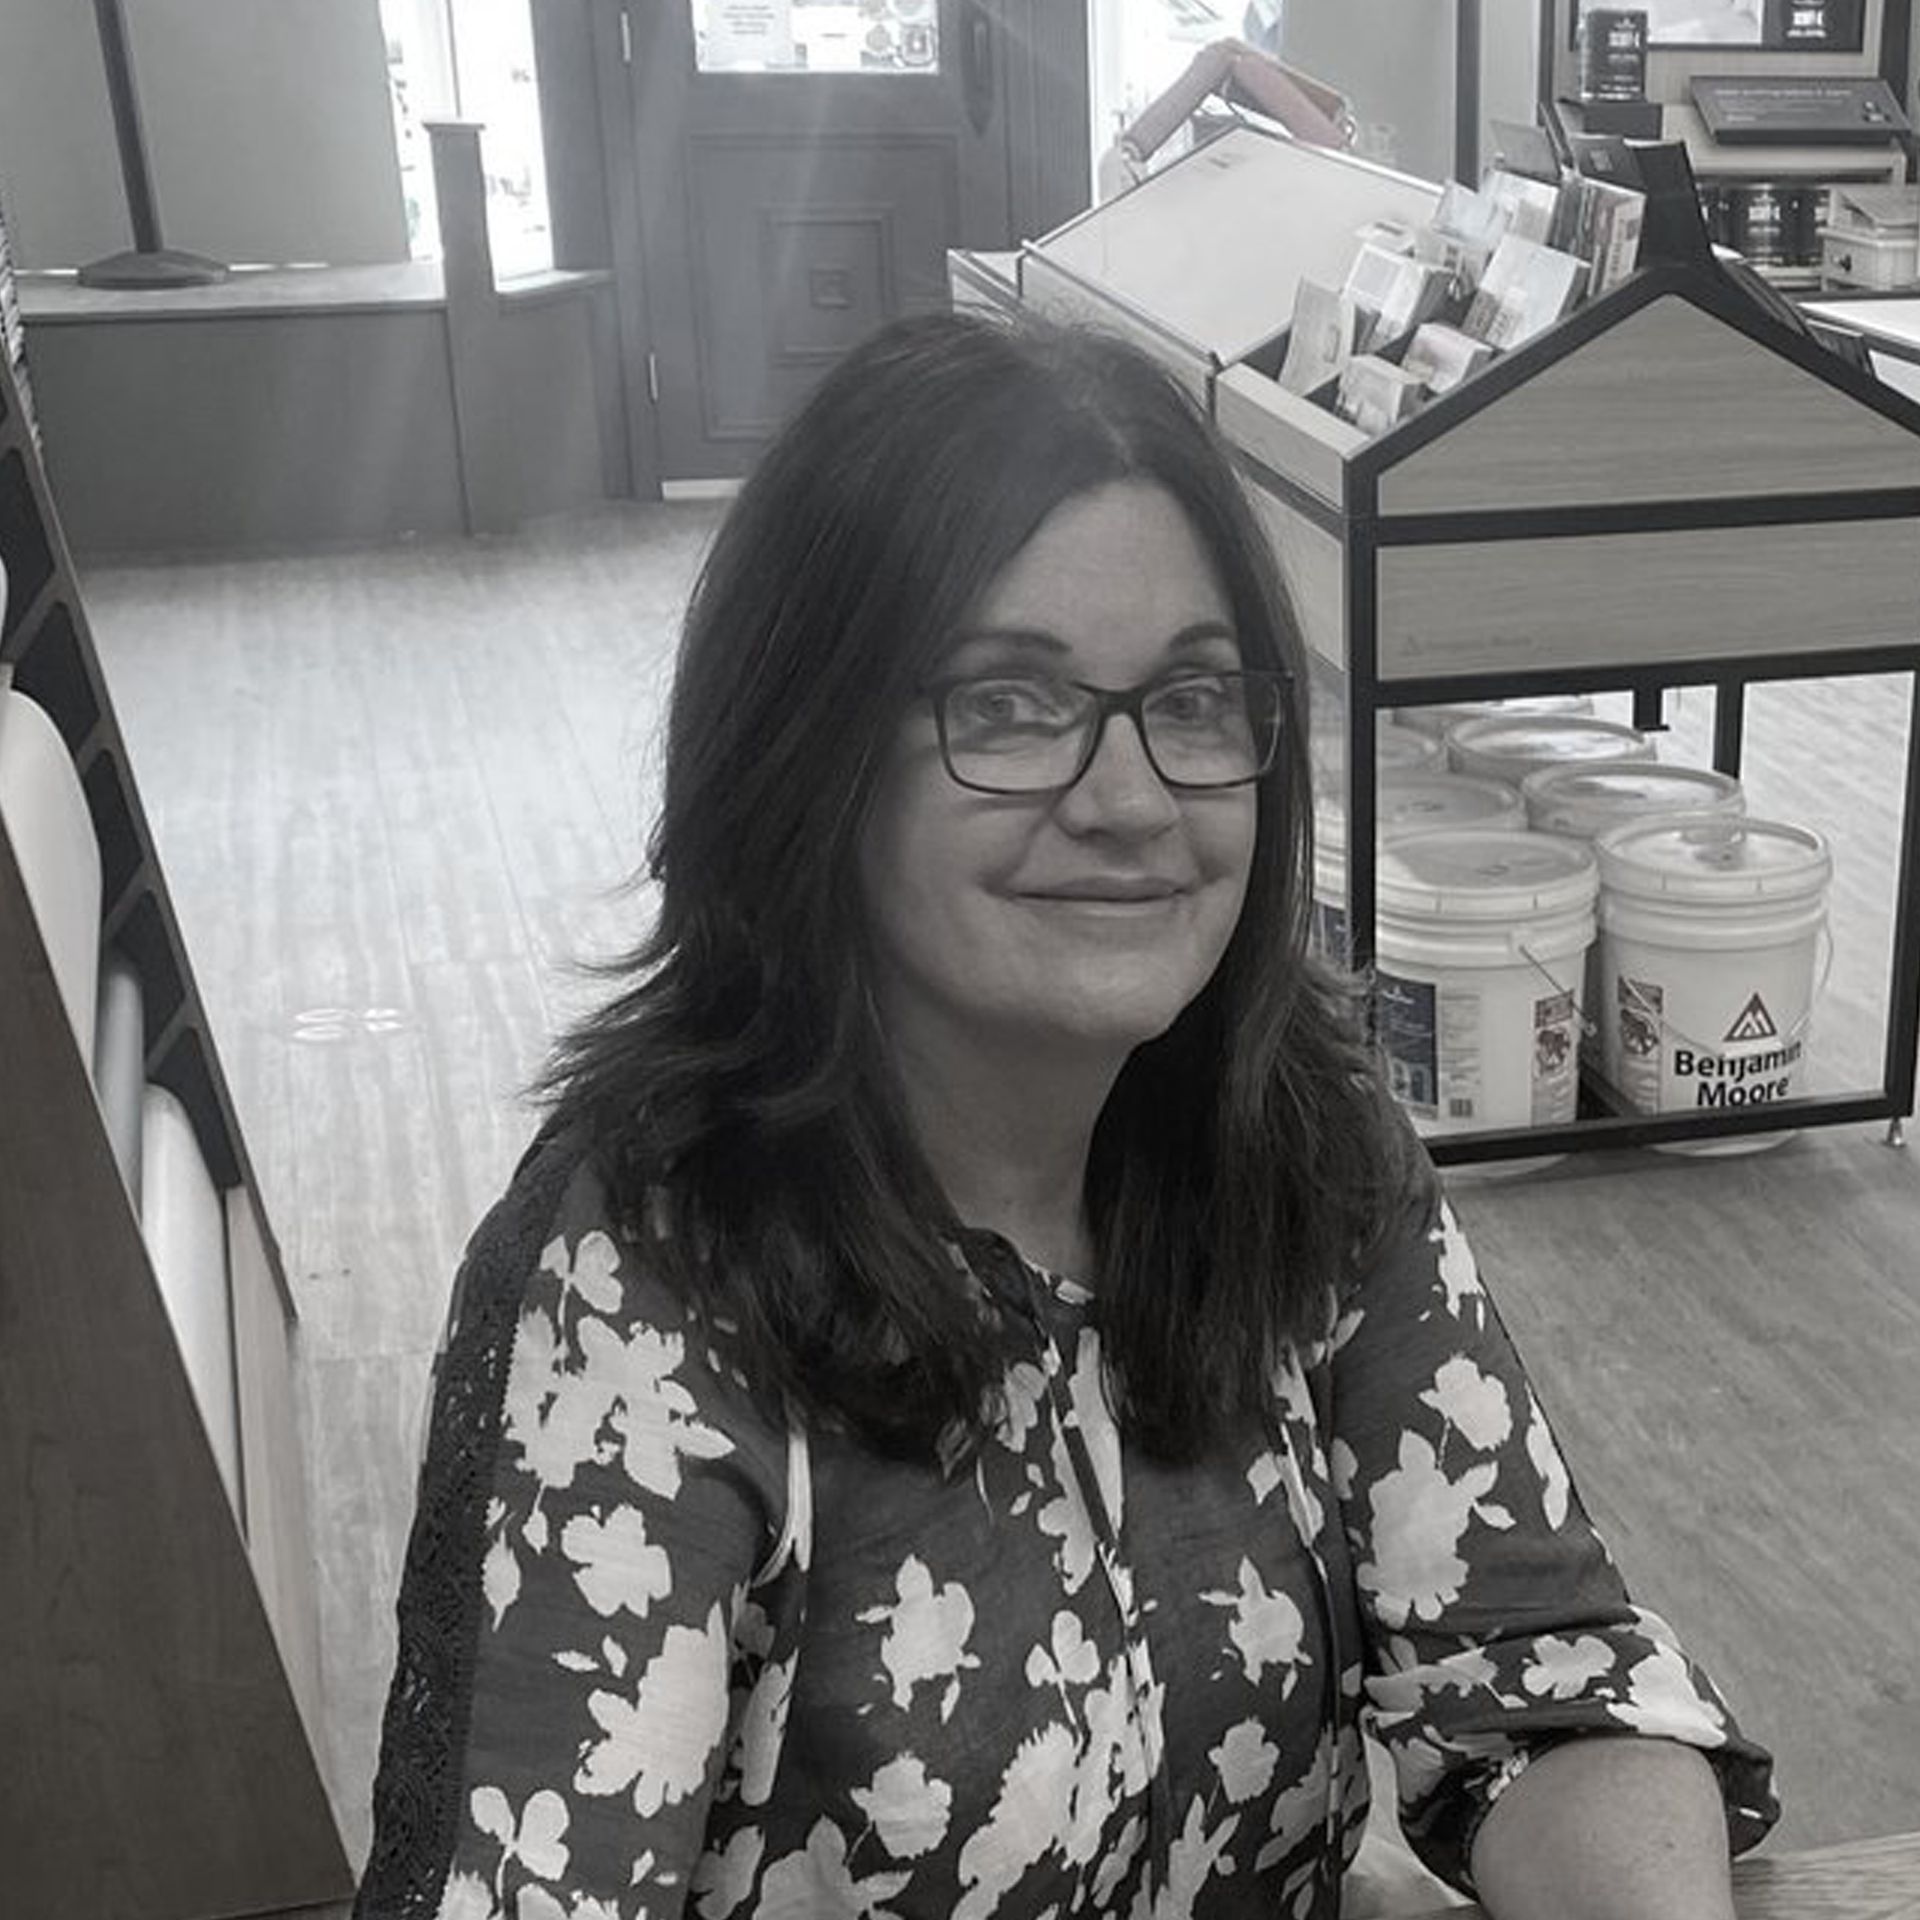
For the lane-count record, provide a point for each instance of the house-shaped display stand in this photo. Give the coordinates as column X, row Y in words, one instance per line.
column 1674, row 486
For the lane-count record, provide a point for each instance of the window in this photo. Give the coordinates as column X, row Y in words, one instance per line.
column 471, row 60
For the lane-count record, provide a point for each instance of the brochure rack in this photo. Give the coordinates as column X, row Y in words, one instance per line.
column 160, row 1685
column 1675, row 445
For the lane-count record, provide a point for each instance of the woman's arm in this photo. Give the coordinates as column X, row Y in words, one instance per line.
column 1496, row 1626
column 1607, row 1828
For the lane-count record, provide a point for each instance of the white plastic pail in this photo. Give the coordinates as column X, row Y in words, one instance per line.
column 1483, row 939
column 1440, row 721
column 1403, row 803
column 1710, row 939
column 1584, row 801
column 1511, row 748
column 1395, row 750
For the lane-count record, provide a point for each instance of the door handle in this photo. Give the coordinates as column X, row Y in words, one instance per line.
column 976, row 62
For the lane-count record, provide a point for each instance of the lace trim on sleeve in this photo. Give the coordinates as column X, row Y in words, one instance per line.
column 423, row 1735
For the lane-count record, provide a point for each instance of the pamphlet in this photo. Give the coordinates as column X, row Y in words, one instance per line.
column 1607, row 232
column 1440, row 356
column 1322, row 339
column 1376, row 395
column 1530, row 204
column 1526, row 288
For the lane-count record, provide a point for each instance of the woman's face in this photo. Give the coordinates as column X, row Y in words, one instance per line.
column 1085, row 919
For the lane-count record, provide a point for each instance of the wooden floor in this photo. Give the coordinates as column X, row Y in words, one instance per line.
column 395, row 791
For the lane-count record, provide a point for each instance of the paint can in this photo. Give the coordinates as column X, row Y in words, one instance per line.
column 1509, row 747
column 1482, row 941
column 1711, row 933
column 1440, row 721
column 1403, row 803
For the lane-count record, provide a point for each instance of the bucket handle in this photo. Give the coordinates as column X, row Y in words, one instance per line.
column 1587, row 1028
column 1793, row 1032
column 1589, row 1031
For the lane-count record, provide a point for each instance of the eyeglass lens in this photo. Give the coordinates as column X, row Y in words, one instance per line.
column 1021, row 733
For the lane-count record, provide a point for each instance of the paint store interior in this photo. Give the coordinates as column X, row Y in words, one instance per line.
column 348, row 517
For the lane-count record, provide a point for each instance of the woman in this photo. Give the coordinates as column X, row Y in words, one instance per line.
column 973, row 1394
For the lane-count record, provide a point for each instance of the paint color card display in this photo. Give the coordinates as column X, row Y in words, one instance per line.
column 45, row 810
column 120, row 1064
column 186, row 1230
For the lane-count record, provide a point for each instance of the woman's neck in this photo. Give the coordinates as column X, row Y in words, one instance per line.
column 1008, row 1144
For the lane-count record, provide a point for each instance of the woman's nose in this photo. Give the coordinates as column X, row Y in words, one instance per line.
column 1120, row 790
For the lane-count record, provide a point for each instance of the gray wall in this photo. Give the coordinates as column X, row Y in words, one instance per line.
column 268, row 129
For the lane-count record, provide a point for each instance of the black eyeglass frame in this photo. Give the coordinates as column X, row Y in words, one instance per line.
column 1130, row 701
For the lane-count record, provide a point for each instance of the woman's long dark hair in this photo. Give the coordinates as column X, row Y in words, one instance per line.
column 1243, row 1158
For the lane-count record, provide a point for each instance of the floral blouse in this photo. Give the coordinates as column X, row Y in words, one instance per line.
column 664, row 1650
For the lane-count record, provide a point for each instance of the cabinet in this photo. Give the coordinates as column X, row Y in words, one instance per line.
column 1673, row 486
column 159, row 1683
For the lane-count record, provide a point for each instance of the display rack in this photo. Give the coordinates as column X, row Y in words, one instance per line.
column 159, row 1687
column 1599, row 510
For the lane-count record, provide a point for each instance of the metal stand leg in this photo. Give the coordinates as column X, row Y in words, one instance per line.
column 1896, row 1132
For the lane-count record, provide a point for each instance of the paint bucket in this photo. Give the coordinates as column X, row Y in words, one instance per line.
column 1483, row 939
column 1511, row 747
column 1403, row 803
column 1710, row 941
column 1585, row 801
column 1395, row 750
column 1438, row 722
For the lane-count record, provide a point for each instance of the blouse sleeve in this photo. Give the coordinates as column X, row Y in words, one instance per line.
column 1495, row 1621
column 600, row 1508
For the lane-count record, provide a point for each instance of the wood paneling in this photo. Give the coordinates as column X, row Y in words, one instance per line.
column 1668, row 404
column 1646, row 599
column 156, row 1761
column 279, row 1542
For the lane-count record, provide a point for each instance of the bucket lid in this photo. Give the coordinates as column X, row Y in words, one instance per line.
column 1439, row 720
column 1559, row 796
column 1395, row 750
column 1400, row 747
column 1544, row 739
column 1425, row 802
column 1484, row 873
column 1713, row 857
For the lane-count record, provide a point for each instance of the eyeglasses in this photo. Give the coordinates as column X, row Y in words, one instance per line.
column 1032, row 733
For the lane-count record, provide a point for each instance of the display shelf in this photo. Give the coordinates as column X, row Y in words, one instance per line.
column 161, row 1682
column 1672, row 486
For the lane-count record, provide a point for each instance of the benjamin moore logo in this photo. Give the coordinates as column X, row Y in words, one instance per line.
column 1754, row 1023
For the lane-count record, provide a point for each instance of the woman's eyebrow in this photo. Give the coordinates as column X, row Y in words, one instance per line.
column 1199, row 634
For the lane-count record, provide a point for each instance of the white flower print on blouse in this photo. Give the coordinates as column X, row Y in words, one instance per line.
column 908, row 1809
column 1420, row 1520
column 660, row 1740
column 926, row 1634
column 1565, row 1669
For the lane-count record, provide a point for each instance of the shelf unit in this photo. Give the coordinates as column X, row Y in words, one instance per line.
column 1671, row 446
column 159, row 1690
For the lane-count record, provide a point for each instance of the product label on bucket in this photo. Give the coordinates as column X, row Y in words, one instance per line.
column 1556, row 1059
column 1410, row 1039
column 1752, row 1064
column 1664, row 1069
column 1434, row 1048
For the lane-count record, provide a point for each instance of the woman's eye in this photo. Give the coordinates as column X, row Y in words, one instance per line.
column 1199, row 701
column 1007, row 703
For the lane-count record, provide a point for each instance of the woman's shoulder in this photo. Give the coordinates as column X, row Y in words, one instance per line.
column 573, row 1240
